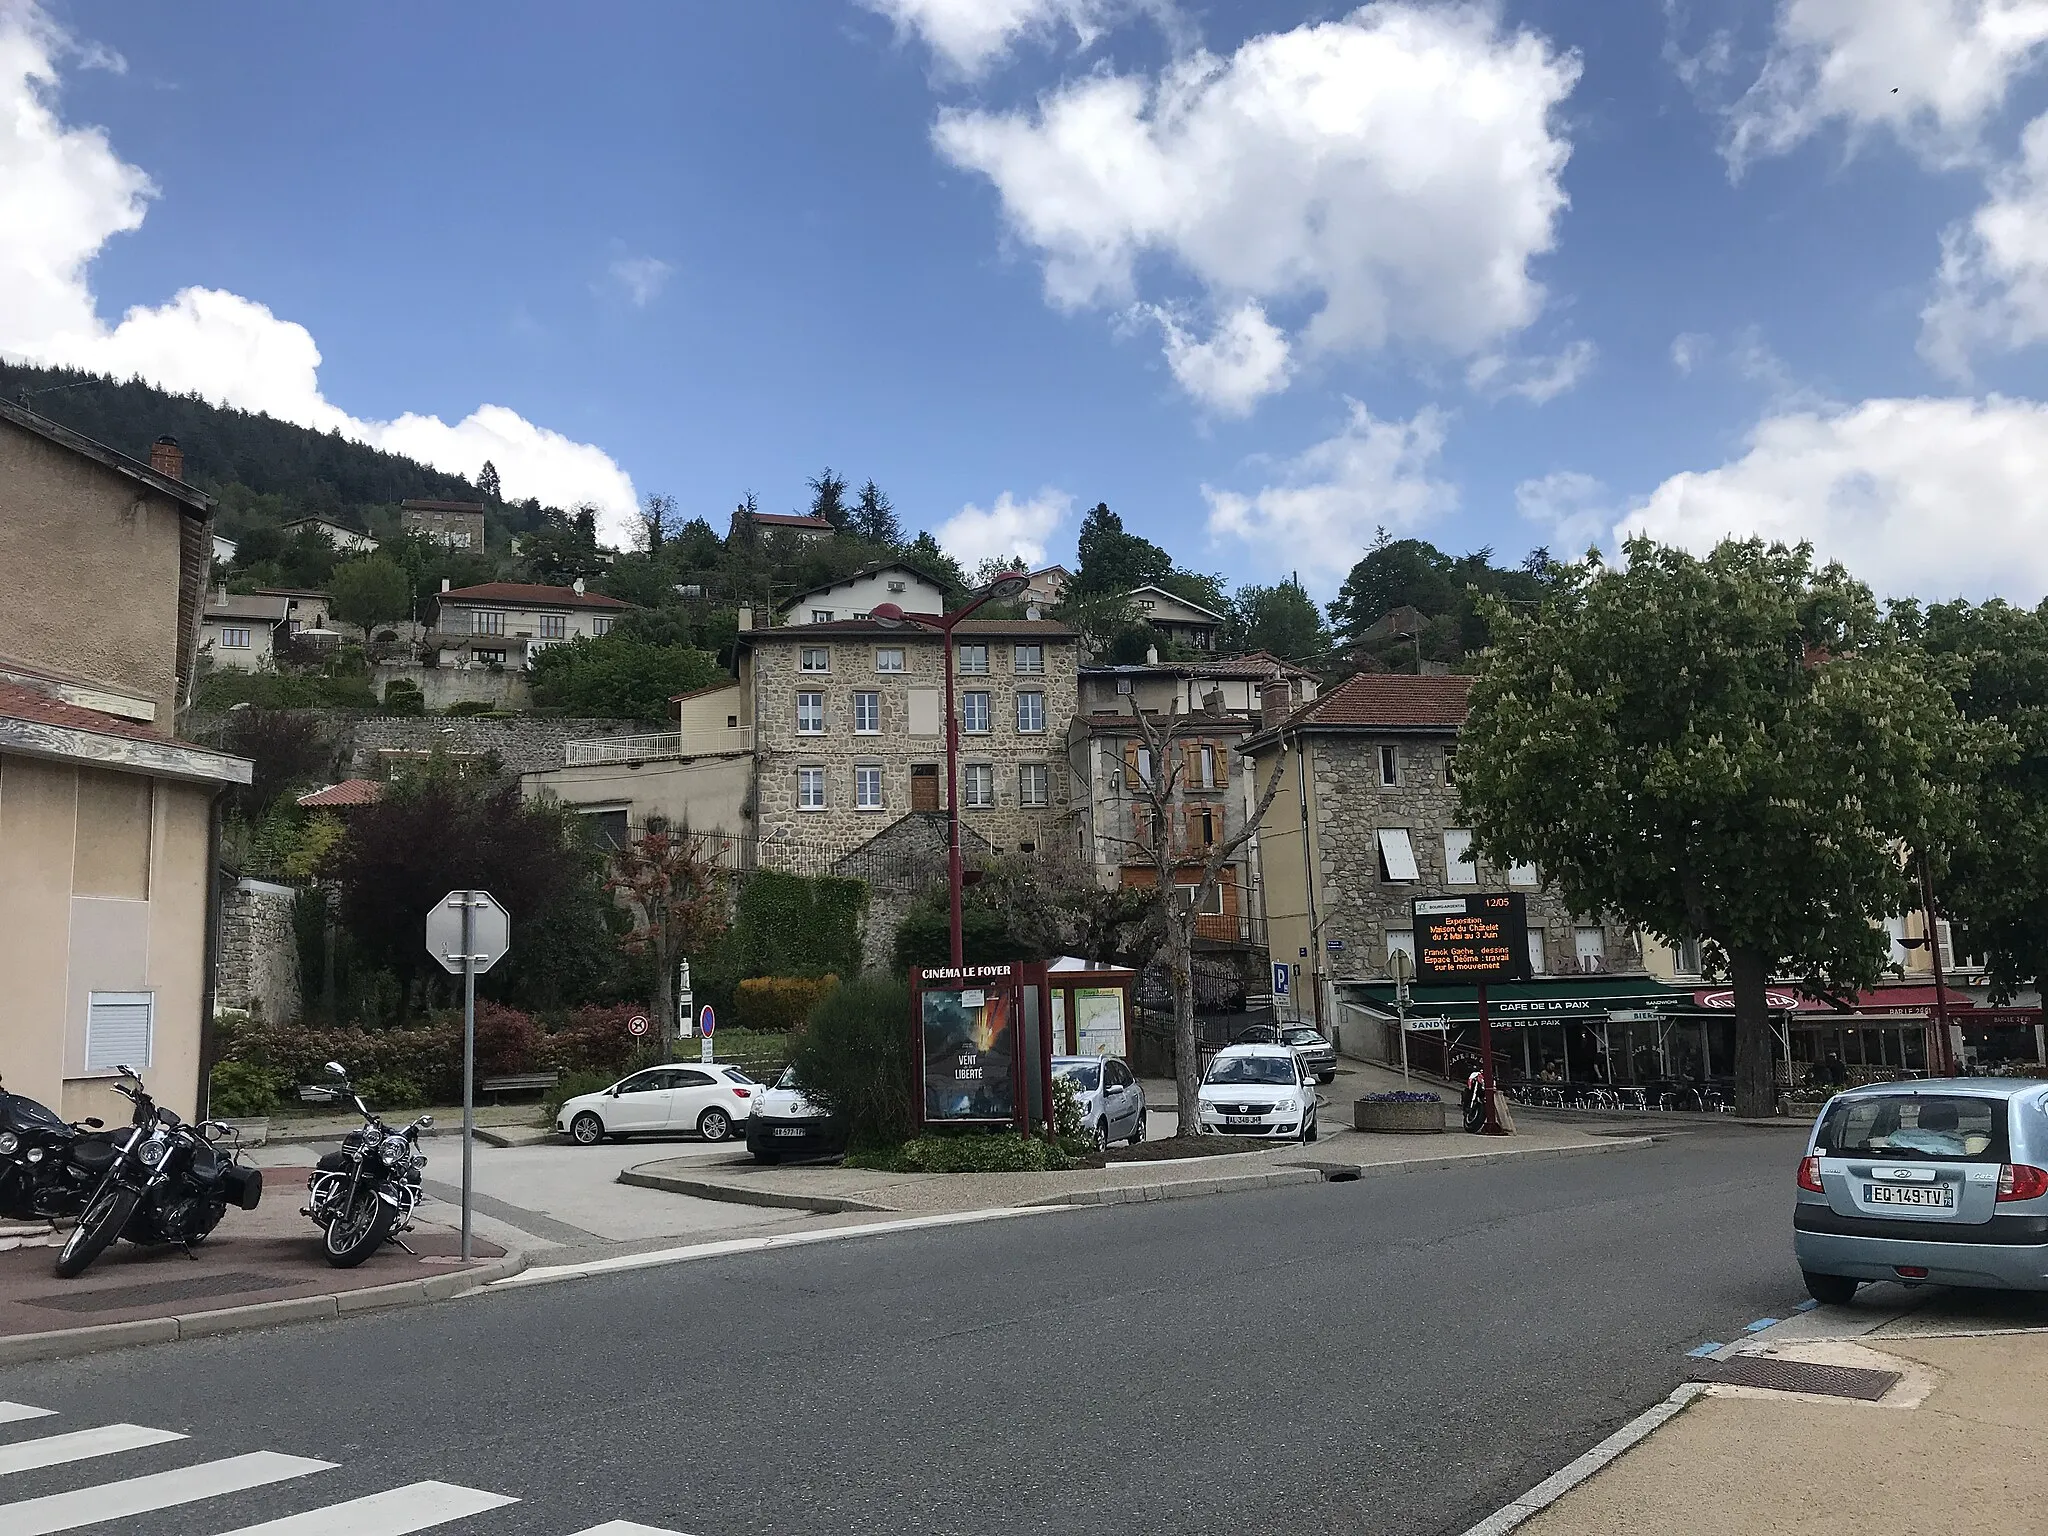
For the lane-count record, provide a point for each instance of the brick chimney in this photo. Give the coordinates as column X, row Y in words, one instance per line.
column 167, row 458
column 1276, row 701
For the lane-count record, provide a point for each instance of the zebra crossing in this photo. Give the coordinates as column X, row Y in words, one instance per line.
column 394, row 1512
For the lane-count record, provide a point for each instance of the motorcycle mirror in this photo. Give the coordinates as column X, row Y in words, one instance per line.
column 336, row 1069
column 213, row 1130
column 95, row 1122
column 425, row 1121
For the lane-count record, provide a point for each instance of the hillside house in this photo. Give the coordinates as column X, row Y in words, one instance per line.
column 457, row 524
column 503, row 623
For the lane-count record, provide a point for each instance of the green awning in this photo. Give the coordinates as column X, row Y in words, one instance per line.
column 1575, row 999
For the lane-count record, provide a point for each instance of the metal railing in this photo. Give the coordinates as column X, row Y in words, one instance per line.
column 590, row 751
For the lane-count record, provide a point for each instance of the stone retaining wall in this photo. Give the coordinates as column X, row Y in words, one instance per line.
column 259, row 951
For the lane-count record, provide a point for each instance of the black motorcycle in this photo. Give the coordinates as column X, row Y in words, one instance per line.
column 48, row 1168
column 168, row 1184
column 364, row 1195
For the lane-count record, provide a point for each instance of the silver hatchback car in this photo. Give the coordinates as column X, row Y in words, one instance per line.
column 1942, row 1182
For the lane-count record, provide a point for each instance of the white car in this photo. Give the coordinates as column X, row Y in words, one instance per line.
column 1112, row 1099
column 1258, row 1090
column 707, row 1099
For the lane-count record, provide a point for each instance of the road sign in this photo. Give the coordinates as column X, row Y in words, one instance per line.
column 709, row 1021
column 1281, row 976
column 1334, row 946
column 637, row 1025
column 490, row 931
column 1471, row 939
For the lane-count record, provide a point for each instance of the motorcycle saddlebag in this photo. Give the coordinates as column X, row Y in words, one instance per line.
column 242, row 1186
column 334, row 1162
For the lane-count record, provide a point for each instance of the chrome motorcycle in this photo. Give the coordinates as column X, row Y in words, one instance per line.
column 48, row 1168
column 364, row 1195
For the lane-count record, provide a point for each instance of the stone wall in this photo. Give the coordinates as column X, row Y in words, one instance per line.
column 258, row 967
column 522, row 746
column 899, row 866
column 499, row 687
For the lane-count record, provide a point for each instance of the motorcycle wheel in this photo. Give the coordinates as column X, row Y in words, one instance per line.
column 357, row 1232
column 98, row 1226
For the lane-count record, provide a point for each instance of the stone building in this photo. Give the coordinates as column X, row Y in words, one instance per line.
column 1367, row 818
column 457, row 524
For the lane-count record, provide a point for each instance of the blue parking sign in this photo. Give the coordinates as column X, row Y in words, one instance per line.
column 1280, row 978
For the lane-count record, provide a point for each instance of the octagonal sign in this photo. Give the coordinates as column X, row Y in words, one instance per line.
column 490, row 931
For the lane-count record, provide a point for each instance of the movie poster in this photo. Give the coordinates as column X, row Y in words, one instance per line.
column 970, row 1054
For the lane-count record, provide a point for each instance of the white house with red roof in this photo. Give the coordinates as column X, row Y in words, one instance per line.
column 502, row 623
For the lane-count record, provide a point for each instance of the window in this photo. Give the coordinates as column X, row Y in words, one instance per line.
column 119, row 1030
column 889, row 659
column 1535, row 951
column 607, row 829
column 732, row 722
column 867, row 714
column 1590, row 944
column 816, row 658
column 821, row 615
column 1205, row 767
column 1390, row 766
column 973, row 658
column 810, row 714
column 1523, row 875
column 1034, row 784
column 1205, row 826
column 1030, row 713
column 1460, row 868
column 1397, row 856
column 1028, row 658
column 1210, row 905
column 867, row 788
column 1141, row 764
column 980, row 787
column 899, row 586
column 1450, row 765
column 234, row 639
column 1403, row 940
column 490, row 658
column 1685, row 957
column 601, row 626
column 974, row 713
column 488, row 622
column 810, row 789
column 553, row 626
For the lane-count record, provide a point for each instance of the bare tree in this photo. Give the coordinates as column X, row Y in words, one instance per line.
column 1186, row 873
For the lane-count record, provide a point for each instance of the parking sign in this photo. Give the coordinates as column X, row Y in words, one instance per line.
column 1281, row 975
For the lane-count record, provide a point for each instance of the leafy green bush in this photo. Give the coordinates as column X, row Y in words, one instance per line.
column 403, row 696
column 470, row 707
column 387, row 1091
column 854, row 1060
column 240, row 1090
column 778, row 1003
column 970, row 1152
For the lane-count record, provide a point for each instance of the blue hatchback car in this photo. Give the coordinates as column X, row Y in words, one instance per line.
column 1942, row 1182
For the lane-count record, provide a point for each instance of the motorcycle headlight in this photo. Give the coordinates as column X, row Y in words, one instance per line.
column 8, row 1142
column 395, row 1152
column 152, row 1152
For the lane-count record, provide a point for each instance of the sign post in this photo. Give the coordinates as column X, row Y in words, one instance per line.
column 1473, row 940
column 1401, row 966
column 468, row 933
column 708, row 1023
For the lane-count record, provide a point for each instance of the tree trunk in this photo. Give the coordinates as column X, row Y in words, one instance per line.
column 663, row 1018
column 1755, row 1093
column 1187, row 1076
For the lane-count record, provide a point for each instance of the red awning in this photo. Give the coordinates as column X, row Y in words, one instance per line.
column 1777, row 999
column 1910, row 1000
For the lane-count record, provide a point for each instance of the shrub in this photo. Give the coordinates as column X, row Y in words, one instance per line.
column 426, row 1063
column 402, row 696
column 1399, row 1098
column 970, row 1152
column 507, row 1042
column 388, row 1091
column 854, row 1059
column 593, row 1040
column 468, row 707
column 241, row 1090
column 779, row 1003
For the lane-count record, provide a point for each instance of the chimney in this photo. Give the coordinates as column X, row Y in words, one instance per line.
column 1276, row 702
column 746, row 617
column 577, row 586
column 167, row 458
column 444, row 583
column 1151, row 655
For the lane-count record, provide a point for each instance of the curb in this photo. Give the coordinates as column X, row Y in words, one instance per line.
column 1184, row 1189
column 22, row 1348
column 827, row 1205
column 489, row 1135
column 1800, row 1123
column 1345, row 1172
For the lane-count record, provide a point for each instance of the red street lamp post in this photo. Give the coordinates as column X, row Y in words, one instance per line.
column 891, row 615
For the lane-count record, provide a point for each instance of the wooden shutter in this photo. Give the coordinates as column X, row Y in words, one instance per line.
column 1130, row 765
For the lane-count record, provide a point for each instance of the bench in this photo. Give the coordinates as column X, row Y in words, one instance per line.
column 519, row 1082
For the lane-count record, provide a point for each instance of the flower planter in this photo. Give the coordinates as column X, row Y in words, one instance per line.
column 1406, row 1116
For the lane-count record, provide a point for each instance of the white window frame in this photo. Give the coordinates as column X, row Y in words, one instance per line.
column 981, row 775
column 1397, row 854
column 972, row 660
column 810, row 730
column 1390, row 767
column 103, row 1054
column 821, row 615
column 881, row 658
column 229, row 641
column 1523, row 877
column 601, row 626
column 1536, row 963
column 490, row 658
column 1039, row 698
column 1461, row 866
column 967, row 712
column 1028, row 660
column 812, row 775
column 1596, row 951
column 865, row 777
column 815, row 658
column 1142, row 761
column 1042, row 772
column 1450, row 765
column 1402, row 939
column 872, row 708
column 1215, row 895
column 1205, row 766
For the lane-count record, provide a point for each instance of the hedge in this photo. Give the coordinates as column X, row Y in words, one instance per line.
column 778, row 1003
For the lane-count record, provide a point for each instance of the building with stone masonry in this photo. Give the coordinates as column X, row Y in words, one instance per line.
column 456, row 524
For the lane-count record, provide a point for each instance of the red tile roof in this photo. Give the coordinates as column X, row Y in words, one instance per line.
column 1389, row 700
column 791, row 520
column 1253, row 664
column 21, row 702
column 996, row 629
column 347, row 792
column 527, row 595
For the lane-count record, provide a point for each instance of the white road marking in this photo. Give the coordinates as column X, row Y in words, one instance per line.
column 627, row 1528
column 160, row 1490
column 411, row 1508
column 79, row 1445
column 15, row 1413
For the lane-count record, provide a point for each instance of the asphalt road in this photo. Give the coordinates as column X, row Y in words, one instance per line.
column 1399, row 1355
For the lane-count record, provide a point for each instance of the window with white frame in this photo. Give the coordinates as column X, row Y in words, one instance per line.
column 1028, row 658
column 972, row 658
column 816, row 658
column 1034, row 784
column 120, row 1030
column 821, row 615
column 1141, row 764
column 810, row 789
column 1403, row 941
column 1685, row 957
column 867, row 714
column 1460, row 867
column 979, row 787
column 1522, row 876
column 889, row 659
column 1397, row 856
column 810, row 714
column 553, row 626
column 867, row 787
column 1390, row 766
column 601, row 626
column 490, row 658
column 1205, row 767
column 1536, row 952
column 1031, row 712
column 1206, row 904
column 974, row 714
column 234, row 639
column 1589, row 945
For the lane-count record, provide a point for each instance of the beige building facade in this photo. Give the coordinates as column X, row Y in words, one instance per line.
column 503, row 623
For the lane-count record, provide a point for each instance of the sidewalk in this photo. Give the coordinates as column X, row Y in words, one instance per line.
column 1953, row 1445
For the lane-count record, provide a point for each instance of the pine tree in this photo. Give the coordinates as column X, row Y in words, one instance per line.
column 487, row 483
column 874, row 517
column 828, row 499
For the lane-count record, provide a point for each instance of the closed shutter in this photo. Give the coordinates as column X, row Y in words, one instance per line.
column 1130, row 765
column 118, row 1030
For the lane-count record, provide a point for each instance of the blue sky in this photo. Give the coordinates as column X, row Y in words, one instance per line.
column 1261, row 276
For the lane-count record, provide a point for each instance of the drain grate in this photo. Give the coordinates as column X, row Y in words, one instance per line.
column 1797, row 1376
column 114, row 1298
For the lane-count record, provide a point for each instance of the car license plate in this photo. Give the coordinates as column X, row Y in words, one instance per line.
column 1242, row 1120
column 789, row 1130
column 1910, row 1194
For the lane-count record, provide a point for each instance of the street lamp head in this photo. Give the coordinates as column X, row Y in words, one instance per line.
column 1006, row 586
column 888, row 615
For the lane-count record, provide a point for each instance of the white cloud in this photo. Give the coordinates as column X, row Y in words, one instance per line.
column 64, row 193
column 1574, row 507
column 1392, row 174
column 1244, row 360
column 1932, row 497
column 1992, row 291
column 1538, row 380
column 1010, row 527
column 1689, row 349
column 971, row 35
column 640, row 278
column 1329, row 500
column 1932, row 72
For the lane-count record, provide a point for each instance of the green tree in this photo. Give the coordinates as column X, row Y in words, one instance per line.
column 874, row 517
column 1395, row 573
column 1730, row 749
column 370, row 592
column 619, row 677
column 924, row 556
column 672, row 887
column 1281, row 620
column 487, row 485
column 828, row 499
column 1112, row 560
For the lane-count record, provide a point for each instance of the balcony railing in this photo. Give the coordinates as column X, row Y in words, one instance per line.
column 593, row 751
